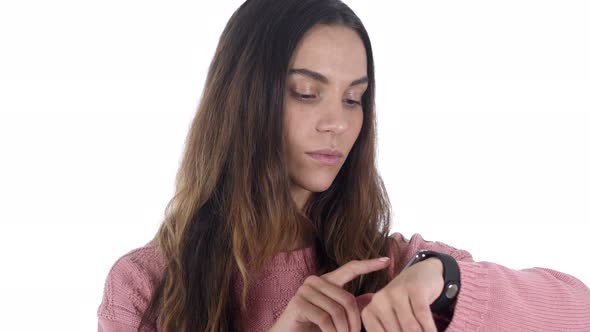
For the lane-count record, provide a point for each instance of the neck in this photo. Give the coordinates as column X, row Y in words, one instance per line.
column 300, row 196
column 303, row 241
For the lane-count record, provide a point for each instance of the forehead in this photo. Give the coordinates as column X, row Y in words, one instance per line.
column 335, row 51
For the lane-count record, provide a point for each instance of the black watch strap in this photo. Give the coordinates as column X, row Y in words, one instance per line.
column 451, row 276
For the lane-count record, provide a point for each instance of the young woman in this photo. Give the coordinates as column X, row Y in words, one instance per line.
column 280, row 216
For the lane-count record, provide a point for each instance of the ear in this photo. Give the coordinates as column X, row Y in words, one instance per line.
column 363, row 300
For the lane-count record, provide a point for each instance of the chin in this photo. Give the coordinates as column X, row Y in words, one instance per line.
column 318, row 184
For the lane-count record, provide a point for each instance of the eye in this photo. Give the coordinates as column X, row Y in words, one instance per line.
column 304, row 97
column 352, row 102
column 310, row 97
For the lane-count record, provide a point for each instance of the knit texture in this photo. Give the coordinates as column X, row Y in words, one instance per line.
column 492, row 297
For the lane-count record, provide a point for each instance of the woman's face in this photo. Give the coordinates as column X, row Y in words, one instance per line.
column 322, row 106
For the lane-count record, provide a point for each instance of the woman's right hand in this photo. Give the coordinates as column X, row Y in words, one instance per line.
column 320, row 304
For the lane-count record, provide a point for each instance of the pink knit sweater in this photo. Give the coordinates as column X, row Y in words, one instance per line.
column 492, row 297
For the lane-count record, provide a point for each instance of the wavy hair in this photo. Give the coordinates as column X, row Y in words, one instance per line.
column 232, row 186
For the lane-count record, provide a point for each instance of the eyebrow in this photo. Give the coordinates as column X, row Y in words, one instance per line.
column 319, row 77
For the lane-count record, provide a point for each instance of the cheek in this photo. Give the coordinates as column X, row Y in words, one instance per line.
column 356, row 125
column 295, row 124
column 295, row 143
column 292, row 129
column 360, row 121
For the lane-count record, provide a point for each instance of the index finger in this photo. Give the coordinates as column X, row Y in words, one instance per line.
column 355, row 268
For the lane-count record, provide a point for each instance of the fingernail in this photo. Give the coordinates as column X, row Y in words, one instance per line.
column 384, row 259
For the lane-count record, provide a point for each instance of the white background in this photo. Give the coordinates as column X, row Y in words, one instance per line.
column 484, row 140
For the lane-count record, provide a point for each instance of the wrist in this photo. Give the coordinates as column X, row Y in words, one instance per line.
column 437, row 263
column 450, row 275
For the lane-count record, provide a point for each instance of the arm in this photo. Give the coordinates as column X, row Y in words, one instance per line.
column 127, row 290
column 105, row 325
column 496, row 298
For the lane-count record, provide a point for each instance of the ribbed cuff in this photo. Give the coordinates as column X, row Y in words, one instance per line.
column 105, row 325
column 473, row 298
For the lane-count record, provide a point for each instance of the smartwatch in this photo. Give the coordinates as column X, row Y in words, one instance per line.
column 451, row 276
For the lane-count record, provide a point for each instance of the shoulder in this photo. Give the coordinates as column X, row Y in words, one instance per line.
column 129, row 285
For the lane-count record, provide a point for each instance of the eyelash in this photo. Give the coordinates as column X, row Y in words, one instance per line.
column 305, row 98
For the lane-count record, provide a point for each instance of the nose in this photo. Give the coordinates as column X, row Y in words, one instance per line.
column 333, row 118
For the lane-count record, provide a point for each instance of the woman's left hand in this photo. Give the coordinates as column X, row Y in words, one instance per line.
column 404, row 304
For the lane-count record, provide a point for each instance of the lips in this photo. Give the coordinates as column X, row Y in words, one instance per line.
column 327, row 152
column 326, row 156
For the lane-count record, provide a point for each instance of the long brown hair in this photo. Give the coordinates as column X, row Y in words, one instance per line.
column 232, row 187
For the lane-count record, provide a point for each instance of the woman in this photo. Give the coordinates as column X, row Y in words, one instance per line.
column 280, row 215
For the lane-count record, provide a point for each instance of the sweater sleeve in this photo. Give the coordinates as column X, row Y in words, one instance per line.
column 496, row 298
column 127, row 290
